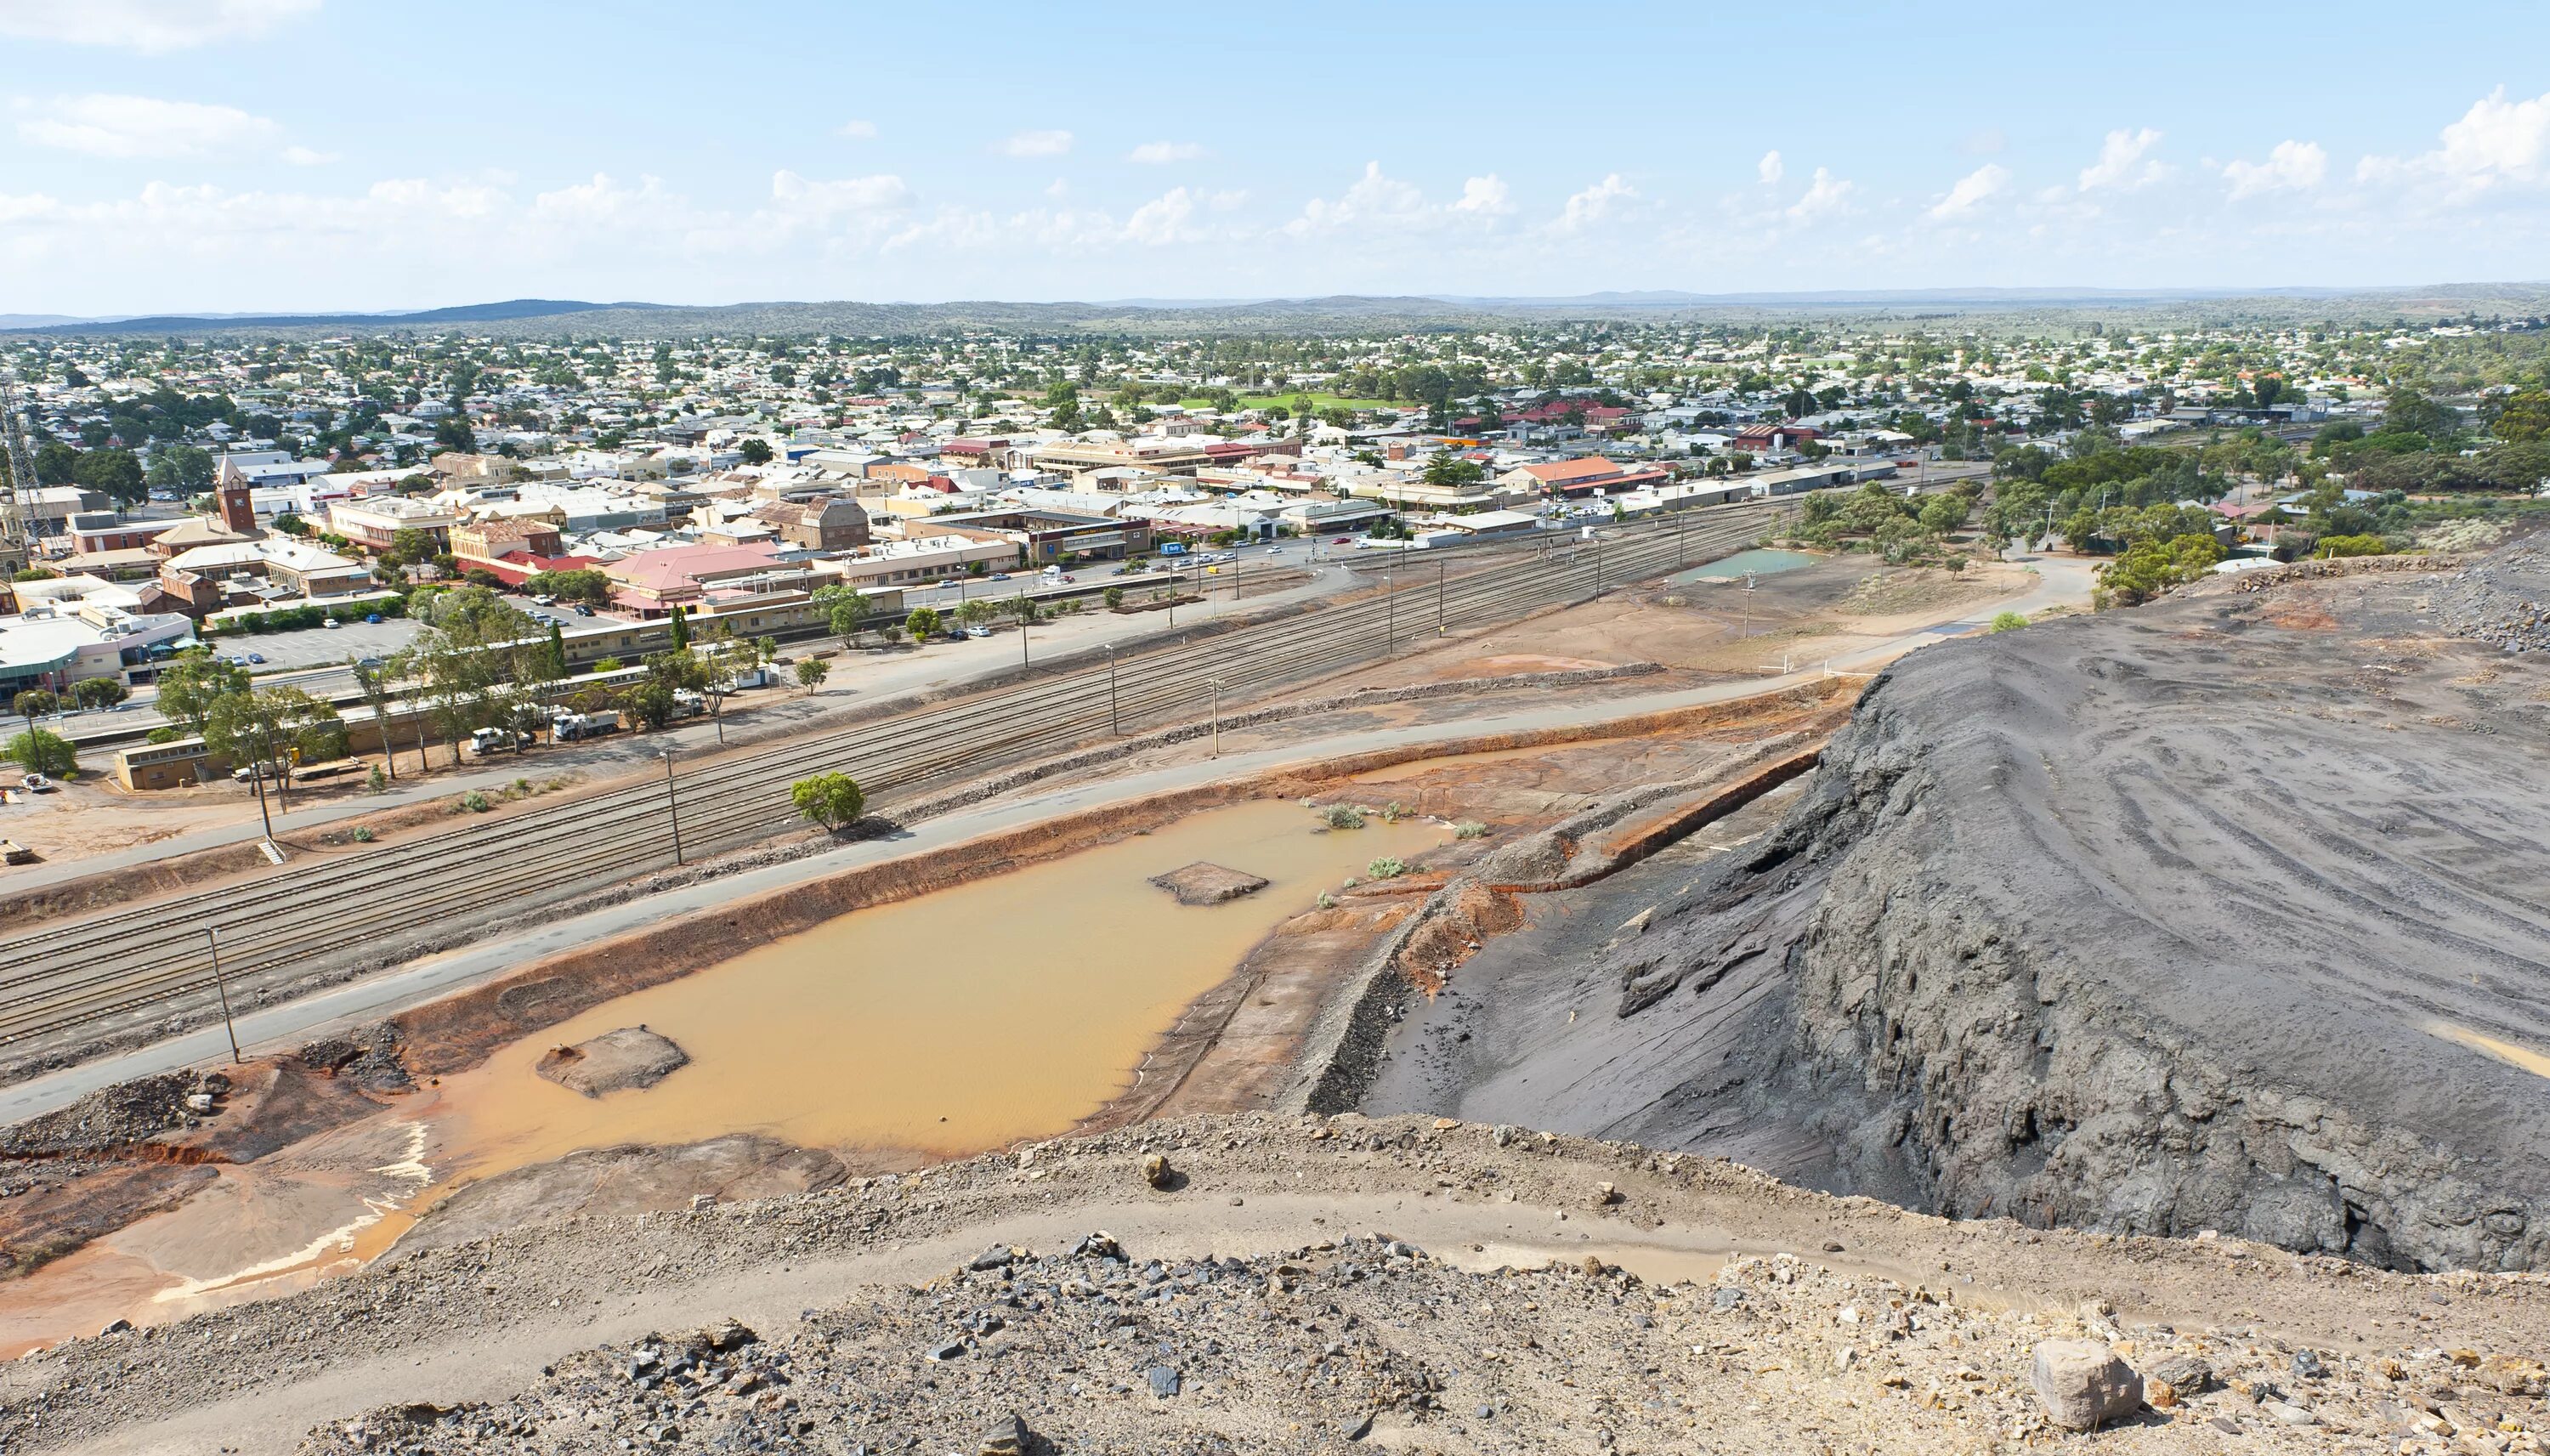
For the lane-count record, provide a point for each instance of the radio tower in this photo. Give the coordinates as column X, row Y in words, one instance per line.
column 16, row 480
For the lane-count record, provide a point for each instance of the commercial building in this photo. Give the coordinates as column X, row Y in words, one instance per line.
column 374, row 522
column 1042, row 536
column 55, row 644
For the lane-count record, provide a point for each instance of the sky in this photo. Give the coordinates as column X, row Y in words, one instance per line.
column 189, row 155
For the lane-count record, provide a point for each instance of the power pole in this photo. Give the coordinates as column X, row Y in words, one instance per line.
column 1216, row 716
column 16, row 480
column 672, row 806
column 213, row 938
column 1113, row 725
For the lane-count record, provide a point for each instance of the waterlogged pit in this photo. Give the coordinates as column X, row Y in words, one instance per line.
column 1007, row 1008
column 1004, row 1009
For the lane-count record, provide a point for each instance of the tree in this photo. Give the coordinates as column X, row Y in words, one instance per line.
column 845, row 622
column 756, row 451
column 2523, row 418
column 34, row 702
column 409, row 546
column 55, row 464
column 276, row 727
column 553, row 660
column 828, row 799
column 373, row 684
column 475, row 658
column 1447, row 469
column 923, row 624
column 99, row 692
column 192, row 682
column 453, row 433
column 810, row 672
column 681, row 630
column 117, row 474
column 38, row 752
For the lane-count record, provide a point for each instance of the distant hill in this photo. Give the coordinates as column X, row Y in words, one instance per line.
column 476, row 312
column 1988, row 309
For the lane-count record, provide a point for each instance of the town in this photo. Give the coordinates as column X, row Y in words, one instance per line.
column 1016, row 729
column 246, row 499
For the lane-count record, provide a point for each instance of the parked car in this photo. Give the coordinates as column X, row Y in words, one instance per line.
column 581, row 610
column 257, row 658
column 331, row 624
column 545, row 600
column 374, row 618
column 36, row 783
column 1343, row 540
column 978, row 632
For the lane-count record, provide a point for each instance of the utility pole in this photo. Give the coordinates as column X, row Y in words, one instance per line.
column 16, row 480
column 1439, row 628
column 1748, row 603
column 1217, row 715
column 672, row 806
column 221, row 988
column 256, row 776
column 1113, row 726
column 1390, row 596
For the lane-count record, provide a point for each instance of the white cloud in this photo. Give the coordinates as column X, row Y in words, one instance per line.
column 1972, row 190
column 1825, row 193
column 1164, row 219
column 2497, row 141
column 848, row 195
column 124, row 127
column 149, row 25
column 1770, row 168
column 856, row 130
column 1374, row 198
column 1035, row 143
column 303, row 157
column 1486, row 197
column 2124, row 161
column 1161, row 153
column 1596, row 204
column 2289, row 167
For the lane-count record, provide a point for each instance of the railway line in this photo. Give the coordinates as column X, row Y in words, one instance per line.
column 154, row 961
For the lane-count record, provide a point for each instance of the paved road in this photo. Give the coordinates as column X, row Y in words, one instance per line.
column 2066, row 583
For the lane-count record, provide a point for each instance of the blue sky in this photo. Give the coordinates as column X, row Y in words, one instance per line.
column 241, row 155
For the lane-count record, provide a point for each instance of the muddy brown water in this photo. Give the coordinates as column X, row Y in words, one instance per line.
column 1001, row 1009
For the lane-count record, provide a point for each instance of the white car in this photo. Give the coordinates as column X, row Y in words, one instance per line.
column 978, row 632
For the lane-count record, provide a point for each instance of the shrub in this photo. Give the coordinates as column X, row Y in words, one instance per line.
column 608, row 665
column 2007, row 621
column 474, row 802
column 828, row 799
column 810, row 672
column 376, row 780
column 1469, row 828
column 2350, row 545
column 363, row 833
column 1341, row 816
column 1115, row 596
column 1388, row 867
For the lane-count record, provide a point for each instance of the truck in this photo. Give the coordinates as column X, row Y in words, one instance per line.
column 486, row 741
column 1173, row 548
column 574, row 726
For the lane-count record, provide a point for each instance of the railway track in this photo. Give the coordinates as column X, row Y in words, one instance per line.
column 154, row 958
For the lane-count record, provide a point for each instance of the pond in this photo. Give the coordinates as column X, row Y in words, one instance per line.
column 1761, row 561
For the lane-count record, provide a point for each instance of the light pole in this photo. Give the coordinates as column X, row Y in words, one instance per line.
column 1748, row 603
column 672, row 806
column 1390, row 596
column 213, row 938
column 1216, row 716
column 1439, row 628
column 1113, row 726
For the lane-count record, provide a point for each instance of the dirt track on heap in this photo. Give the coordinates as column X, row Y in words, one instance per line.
column 1297, row 1279
column 2224, row 913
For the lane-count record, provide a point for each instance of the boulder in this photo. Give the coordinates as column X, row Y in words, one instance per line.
column 1208, row 884
column 2082, row 1384
column 614, row 1061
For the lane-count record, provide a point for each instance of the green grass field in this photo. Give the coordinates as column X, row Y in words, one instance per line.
column 1318, row 401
